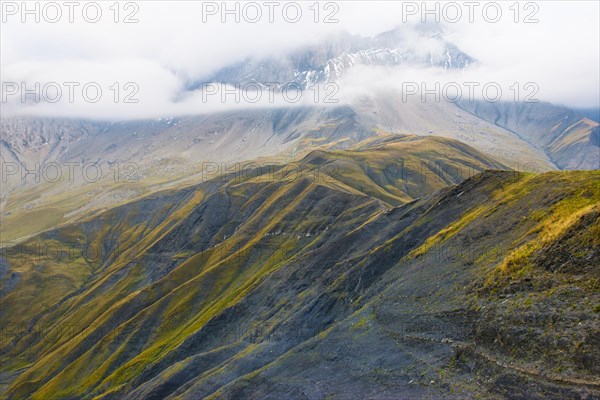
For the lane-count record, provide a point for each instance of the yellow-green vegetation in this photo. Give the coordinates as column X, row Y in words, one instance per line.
column 581, row 199
column 181, row 267
column 446, row 233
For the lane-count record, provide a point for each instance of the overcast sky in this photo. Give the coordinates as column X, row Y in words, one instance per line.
column 169, row 44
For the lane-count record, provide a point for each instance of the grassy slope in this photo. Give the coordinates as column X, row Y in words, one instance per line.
column 207, row 275
column 504, row 302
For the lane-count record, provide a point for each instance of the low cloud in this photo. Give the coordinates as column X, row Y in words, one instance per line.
column 152, row 62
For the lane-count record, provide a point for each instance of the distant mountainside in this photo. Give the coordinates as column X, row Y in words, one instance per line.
column 570, row 140
column 589, row 113
column 138, row 157
column 336, row 281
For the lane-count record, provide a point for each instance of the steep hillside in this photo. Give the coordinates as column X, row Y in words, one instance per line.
column 325, row 280
column 391, row 170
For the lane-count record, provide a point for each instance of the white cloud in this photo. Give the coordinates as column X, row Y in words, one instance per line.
column 171, row 45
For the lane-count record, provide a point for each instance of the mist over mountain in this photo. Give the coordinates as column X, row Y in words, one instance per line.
column 328, row 61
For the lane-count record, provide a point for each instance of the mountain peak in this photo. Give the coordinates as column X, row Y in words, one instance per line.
column 333, row 56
